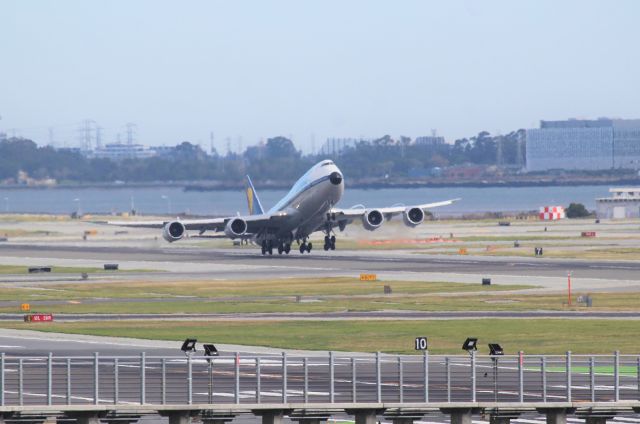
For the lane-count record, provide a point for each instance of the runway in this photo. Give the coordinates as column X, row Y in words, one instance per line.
column 247, row 263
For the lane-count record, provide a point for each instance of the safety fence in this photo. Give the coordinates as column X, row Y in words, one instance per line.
column 333, row 378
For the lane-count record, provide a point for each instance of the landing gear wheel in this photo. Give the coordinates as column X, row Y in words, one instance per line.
column 280, row 249
column 287, row 248
column 303, row 247
column 326, row 246
column 270, row 248
column 309, row 247
column 264, row 247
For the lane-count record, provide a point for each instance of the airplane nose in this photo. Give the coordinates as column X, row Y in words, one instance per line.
column 335, row 178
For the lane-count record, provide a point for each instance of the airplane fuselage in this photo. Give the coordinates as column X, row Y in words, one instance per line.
column 308, row 201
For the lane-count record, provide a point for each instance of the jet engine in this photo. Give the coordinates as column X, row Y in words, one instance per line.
column 236, row 227
column 413, row 217
column 372, row 219
column 173, row 231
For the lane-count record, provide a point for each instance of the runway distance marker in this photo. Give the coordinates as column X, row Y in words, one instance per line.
column 368, row 277
column 421, row 343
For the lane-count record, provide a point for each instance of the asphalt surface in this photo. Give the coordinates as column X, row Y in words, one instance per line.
column 248, row 263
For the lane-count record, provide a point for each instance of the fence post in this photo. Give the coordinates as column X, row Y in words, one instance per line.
column 305, row 366
column 331, row 378
column 354, row 394
column 2, row 379
column 543, row 370
column 49, row 376
column 189, row 380
column 68, row 381
column 96, row 376
column 473, row 376
column 568, row 369
column 116, row 380
column 236, row 393
column 164, row 381
column 616, row 375
column 284, row 377
column 448, row 372
column 259, row 380
column 143, row 378
column 401, row 378
column 20, row 380
column 378, row 379
column 521, row 376
column 425, row 364
column 637, row 371
column 592, row 380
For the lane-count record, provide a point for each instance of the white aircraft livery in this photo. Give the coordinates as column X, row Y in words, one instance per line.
column 307, row 208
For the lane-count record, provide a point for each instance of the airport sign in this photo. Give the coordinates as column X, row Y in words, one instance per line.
column 421, row 343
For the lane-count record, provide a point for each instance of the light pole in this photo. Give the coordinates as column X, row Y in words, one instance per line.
column 168, row 199
column 77, row 200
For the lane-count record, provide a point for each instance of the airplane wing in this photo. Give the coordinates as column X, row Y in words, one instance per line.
column 251, row 224
column 373, row 218
column 391, row 210
column 214, row 224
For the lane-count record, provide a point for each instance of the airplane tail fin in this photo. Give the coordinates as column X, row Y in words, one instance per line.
column 253, row 201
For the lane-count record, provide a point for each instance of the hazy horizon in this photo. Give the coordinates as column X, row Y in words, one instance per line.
column 250, row 70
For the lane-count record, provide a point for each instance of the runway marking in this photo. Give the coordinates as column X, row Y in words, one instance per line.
column 11, row 347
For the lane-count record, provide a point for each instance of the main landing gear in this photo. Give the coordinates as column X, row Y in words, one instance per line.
column 329, row 243
column 282, row 247
column 306, row 247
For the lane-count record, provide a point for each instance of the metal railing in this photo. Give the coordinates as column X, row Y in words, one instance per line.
column 336, row 378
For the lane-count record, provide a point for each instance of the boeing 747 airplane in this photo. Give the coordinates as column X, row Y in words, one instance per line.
column 307, row 208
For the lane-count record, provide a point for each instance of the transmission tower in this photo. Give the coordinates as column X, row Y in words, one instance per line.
column 86, row 134
column 131, row 132
column 99, row 137
column 51, row 138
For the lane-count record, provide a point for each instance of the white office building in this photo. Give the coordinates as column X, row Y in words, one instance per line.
column 584, row 145
column 117, row 151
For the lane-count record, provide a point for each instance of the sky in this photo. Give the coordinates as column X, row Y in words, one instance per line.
column 249, row 70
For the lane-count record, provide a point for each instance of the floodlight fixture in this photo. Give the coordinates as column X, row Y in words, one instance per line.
column 210, row 350
column 470, row 345
column 189, row 346
column 495, row 349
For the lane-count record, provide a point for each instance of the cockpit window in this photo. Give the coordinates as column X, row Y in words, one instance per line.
column 327, row 163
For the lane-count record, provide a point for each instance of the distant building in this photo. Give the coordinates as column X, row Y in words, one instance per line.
column 584, row 145
column 624, row 203
column 430, row 140
column 335, row 146
column 118, row 151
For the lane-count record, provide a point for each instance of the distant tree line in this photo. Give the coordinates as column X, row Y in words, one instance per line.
column 276, row 160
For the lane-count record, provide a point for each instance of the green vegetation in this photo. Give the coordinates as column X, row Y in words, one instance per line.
column 577, row 210
column 533, row 336
column 243, row 290
column 277, row 160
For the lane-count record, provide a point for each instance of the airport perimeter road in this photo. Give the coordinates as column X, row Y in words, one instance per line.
column 247, row 263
